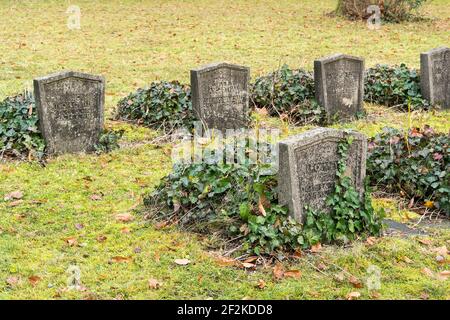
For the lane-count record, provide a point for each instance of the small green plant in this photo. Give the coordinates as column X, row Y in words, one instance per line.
column 19, row 129
column 395, row 86
column 351, row 214
column 288, row 93
column 163, row 105
column 109, row 141
column 415, row 164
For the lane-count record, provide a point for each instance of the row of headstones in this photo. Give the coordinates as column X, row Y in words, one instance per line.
column 70, row 104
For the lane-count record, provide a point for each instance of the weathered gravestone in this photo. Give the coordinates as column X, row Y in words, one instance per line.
column 220, row 95
column 435, row 76
column 308, row 164
column 339, row 83
column 70, row 109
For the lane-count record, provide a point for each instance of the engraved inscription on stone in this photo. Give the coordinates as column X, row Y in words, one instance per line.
column 220, row 95
column 70, row 108
column 308, row 164
column 339, row 82
column 435, row 76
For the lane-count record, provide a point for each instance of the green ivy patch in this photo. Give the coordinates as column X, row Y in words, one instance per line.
column 288, row 93
column 394, row 86
column 415, row 164
column 237, row 201
column 163, row 106
column 19, row 129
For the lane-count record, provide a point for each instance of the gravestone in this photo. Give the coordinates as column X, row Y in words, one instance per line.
column 435, row 76
column 220, row 95
column 70, row 109
column 339, row 83
column 307, row 168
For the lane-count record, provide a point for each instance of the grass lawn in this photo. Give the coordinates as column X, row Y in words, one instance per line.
column 68, row 214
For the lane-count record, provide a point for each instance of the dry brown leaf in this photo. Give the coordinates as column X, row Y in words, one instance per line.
column 353, row 295
column 101, row 238
column 278, row 271
column 124, row 217
column 424, row 296
column 262, row 111
column 425, row 241
column 375, row 295
column 71, row 241
column 371, row 241
column 125, row 230
column 154, row 284
column 427, row 272
column 15, row 203
column 12, row 281
column 261, row 209
column 34, row 280
column 182, row 262
column 161, row 225
column 225, row 262
column 442, row 251
column 321, row 266
column 248, row 265
column 293, row 274
column 261, row 284
column 120, row 259
column 407, row 260
column 443, row 275
column 355, row 282
column 316, row 248
column 15, row 195
column 251, row 259
column 96, row 197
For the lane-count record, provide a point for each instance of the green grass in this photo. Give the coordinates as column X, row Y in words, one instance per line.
column 133, row 43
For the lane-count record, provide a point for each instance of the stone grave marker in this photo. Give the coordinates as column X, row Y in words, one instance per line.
column 308, row 164
column 339, row 83
column 220, row 95
column 70, row 109
column 435, row 76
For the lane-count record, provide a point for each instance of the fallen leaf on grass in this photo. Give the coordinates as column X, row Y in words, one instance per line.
column 316, row 248
column 34, row 280
column 71, row 241
column 120, row 259
column 424, row 296
column 278, row 271
column 15, row 203
column 355, row 282
column 96, row 197
column 248, row 265
column 293, row 274
column 12, row 281
column 79, row 226
column 101, row 238
column 261, row 284
column 124, row 217
column 375, row 295
column 407, row 260
column 353, row 295
column 261, row 209
column 427, row 272
column 443, row 275
column 182, row 262
column 225, row 262
column 14, row 195
column 340, row 277
column 154, row 284
column 262, row 111
column 442, row 251
column 125, row 230
column 371, row 241
column 425, row 241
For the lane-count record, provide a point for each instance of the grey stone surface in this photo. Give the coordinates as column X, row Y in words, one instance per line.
column 435, row 76
column 339, row 83
column 70, row 108
column 220, row 95
column 308, row 164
